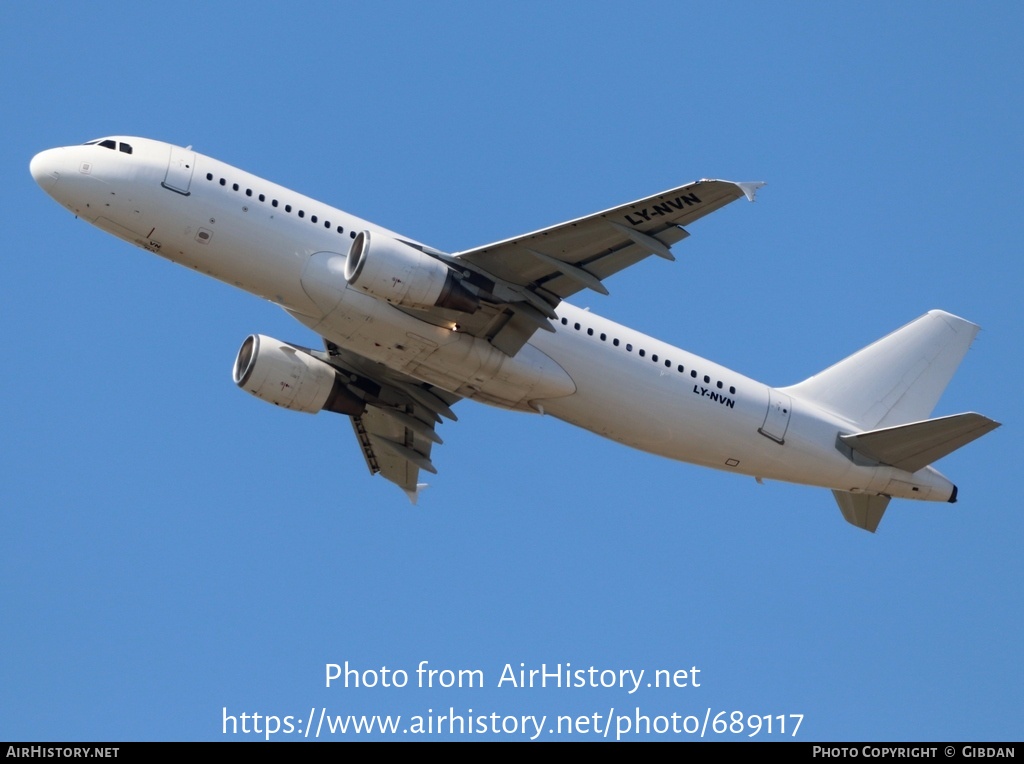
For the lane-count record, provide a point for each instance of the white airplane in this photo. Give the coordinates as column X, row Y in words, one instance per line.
column 409, row 330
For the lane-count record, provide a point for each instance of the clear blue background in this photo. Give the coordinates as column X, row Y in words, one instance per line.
column 171, row 546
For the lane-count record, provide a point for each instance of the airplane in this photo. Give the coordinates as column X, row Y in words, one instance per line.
column 409, row 330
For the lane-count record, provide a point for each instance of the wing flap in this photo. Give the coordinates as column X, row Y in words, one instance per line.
column 521, row 280
column 393, row 449
column 597, row 242
column 624, row 253
column 395, row 432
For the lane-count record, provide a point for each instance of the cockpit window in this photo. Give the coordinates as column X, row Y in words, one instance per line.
column 110, row 143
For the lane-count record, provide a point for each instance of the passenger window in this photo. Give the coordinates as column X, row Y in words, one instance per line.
column 629, row 348
column 654, row 357
column 603, row 336
column 693, row 373
column 590, row 332
column 615, row 342
column 263, row 198
column 732, row 390
column 234, row 186
column 273, row 203
column 287, row 208
column 302, row 213
column 248, row 192
column 706, row 379
column 312, row 218
column 209, row 176
column 642, row 353
column 223, row 182
column 341, row 230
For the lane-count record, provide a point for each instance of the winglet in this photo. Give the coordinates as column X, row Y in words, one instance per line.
column 414, row 495
column 750, row 187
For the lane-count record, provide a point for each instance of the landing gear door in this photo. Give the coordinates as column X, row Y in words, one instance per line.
column 179, row 170
column 776, row 420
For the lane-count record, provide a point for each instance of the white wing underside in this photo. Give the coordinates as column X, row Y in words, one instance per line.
column 521, row 280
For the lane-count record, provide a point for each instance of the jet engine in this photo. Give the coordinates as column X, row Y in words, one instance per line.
column 403, row 275
column 291, row 378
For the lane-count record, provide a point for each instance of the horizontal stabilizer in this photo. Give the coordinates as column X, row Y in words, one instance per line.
column 861, row 509
column 913, row 446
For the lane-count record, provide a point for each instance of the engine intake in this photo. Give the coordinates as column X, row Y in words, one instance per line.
column 291, row 378
column 403, row 275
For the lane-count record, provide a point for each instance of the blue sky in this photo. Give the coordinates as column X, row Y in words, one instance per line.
column 172, row 547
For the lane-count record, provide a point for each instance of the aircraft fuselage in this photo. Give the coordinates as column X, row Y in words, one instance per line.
column 591, row 372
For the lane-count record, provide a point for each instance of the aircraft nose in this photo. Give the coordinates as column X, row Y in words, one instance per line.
column 45, row 167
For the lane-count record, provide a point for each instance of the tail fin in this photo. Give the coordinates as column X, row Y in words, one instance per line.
column 897, row 379
column 888, row 390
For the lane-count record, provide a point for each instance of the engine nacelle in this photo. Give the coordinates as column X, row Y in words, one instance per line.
column 403, row 275
column 289, row 377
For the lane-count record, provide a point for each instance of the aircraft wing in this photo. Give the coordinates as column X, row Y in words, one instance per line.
column 393, row 450
column 397, row 429
column 532, row 273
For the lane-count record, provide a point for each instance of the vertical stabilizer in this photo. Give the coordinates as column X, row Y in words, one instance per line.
column 897, row 379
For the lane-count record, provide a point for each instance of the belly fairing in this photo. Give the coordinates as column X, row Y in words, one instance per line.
column 455, row 361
